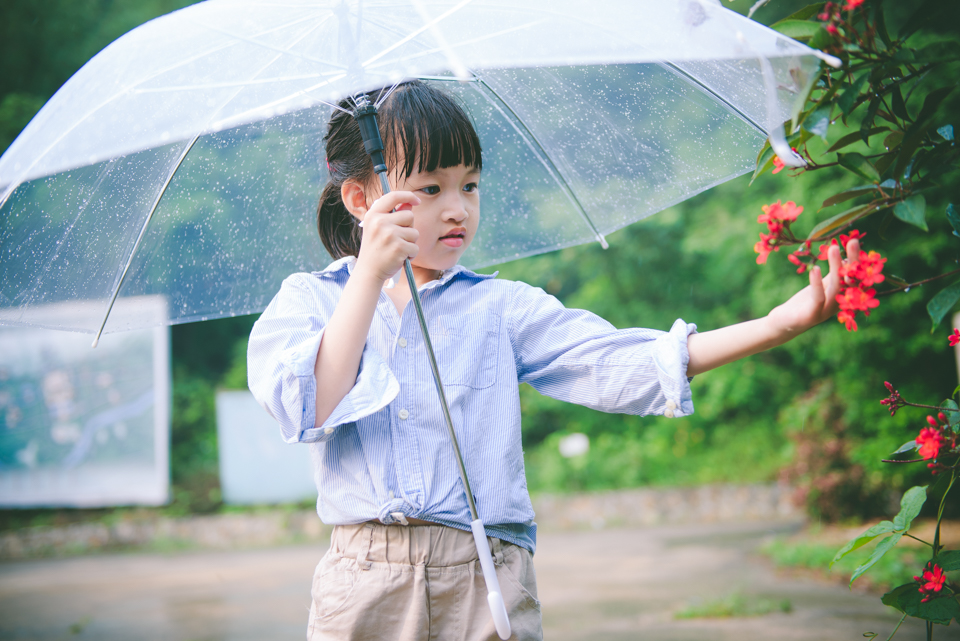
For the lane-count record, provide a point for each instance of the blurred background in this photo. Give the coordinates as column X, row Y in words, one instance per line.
column 805, row 416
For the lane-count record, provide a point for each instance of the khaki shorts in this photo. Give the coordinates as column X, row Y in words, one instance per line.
column 416, row 583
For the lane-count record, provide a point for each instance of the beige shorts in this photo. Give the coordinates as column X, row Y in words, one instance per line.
column 416, row 583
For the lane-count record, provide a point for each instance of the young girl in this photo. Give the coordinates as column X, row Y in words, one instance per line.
column 338, row 360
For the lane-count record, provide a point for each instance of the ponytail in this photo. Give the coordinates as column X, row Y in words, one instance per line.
column 339, row 230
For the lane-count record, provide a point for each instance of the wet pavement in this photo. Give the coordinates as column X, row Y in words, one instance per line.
column 615, row 584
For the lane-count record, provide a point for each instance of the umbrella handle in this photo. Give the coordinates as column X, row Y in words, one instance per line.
column 494, row 597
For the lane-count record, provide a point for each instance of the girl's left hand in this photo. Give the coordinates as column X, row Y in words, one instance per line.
column 818, row 301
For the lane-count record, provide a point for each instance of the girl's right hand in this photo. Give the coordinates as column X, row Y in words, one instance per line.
column 389, row 237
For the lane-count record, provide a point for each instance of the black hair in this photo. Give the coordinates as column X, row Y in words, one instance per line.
column 421, row 126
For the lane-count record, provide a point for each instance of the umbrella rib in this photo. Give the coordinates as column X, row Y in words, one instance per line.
column 143, row 231
column 416, row 33
column 534, row 143
column 729, row 105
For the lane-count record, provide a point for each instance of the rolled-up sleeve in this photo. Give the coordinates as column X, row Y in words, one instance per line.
column 282, row 354
column 576, row 356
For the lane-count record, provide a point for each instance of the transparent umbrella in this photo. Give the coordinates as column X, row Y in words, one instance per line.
column 186, row 159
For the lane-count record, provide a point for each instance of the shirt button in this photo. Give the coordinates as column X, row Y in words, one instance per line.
column 668, row 413
column 404, row 414
column 328, row 430
column 402, row 342
column 671, row 405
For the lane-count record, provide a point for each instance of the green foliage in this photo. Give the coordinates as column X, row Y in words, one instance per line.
column 897, row 566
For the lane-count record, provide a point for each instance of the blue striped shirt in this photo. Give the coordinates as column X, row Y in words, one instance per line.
column 384, row 450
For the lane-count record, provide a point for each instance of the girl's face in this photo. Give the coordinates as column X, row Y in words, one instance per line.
column 448, row 214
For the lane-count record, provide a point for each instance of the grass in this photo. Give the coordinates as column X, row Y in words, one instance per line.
column 734, row 605
column 895, row 568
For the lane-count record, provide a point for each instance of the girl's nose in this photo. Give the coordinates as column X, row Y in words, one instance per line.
column 456, row 211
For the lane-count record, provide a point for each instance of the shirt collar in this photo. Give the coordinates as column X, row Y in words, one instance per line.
column 347, row 263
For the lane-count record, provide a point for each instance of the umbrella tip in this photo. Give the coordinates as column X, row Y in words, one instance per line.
column 96, row 342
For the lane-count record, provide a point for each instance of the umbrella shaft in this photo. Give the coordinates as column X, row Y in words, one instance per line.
column 415, row 295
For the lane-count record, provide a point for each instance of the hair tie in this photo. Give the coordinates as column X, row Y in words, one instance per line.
column 328, row 165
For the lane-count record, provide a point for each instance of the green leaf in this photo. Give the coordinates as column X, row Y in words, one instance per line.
column 913, row 210
column 915, row 134
column 942, row 303
column 849, row 95
column 882, row 548
column 892, row 598
column 856, row 136
column 950, row 408
column 797, row 29
column 883, row 527
column 954, row 217
column 938, row 609
column 893, row 140
column 820, row 40
column 868, row 119
column 818, row 122
column 906, row 447
column 859, row 165
column 910, row 505
column 764, row 161
column 840, row 220
column 949, row 561
column 807, row 12
column 899, row 107
column 847, row 195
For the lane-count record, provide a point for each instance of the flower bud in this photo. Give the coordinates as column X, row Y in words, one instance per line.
column 932, row 421
column 889, row 386
column 942, row 417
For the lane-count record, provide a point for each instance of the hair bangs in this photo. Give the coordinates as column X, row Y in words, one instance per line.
column 428, row 130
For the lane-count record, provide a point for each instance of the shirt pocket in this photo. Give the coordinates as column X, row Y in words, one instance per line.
column 467, row 349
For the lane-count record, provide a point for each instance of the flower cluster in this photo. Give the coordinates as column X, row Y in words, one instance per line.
column 894, row 401
column 954, row 337
column 778, row 218
column 935, row 441
column 931, row 581
column 857, row 274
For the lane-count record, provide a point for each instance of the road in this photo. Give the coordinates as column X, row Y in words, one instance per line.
column 612, row 584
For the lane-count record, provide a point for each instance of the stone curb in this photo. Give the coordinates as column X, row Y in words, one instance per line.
column 622, row 508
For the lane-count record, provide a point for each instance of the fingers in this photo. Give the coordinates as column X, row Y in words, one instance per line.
column 394, row 200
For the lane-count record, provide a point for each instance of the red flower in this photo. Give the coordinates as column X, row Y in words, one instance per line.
column 778, row 165
column 856, row 299
column 954, row 337
column 869, row 268
column 932, row 581
column 847, row 318
column 832, row 29
column 824, row 249
column 844, row 238
column 929, row 440
column 852, row 4
column 801, row 266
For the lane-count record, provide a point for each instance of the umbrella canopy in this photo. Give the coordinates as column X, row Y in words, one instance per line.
column 186, row 159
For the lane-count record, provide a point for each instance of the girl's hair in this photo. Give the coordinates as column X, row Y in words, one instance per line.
column 422, row 128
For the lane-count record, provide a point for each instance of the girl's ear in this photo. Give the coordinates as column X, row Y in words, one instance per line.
column 354, row 198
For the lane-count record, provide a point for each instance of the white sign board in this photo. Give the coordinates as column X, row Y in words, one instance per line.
column 256, row 465
column 85, row 427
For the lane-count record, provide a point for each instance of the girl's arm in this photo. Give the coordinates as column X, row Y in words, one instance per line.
column 388, row 239
column 808, row 307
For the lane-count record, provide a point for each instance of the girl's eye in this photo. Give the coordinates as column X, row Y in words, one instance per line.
column 471, row 187
column 430, row 190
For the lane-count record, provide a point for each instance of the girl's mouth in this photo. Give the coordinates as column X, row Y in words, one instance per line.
column 454, row 238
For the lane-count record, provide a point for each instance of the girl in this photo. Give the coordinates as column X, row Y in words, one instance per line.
column 337, row 359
